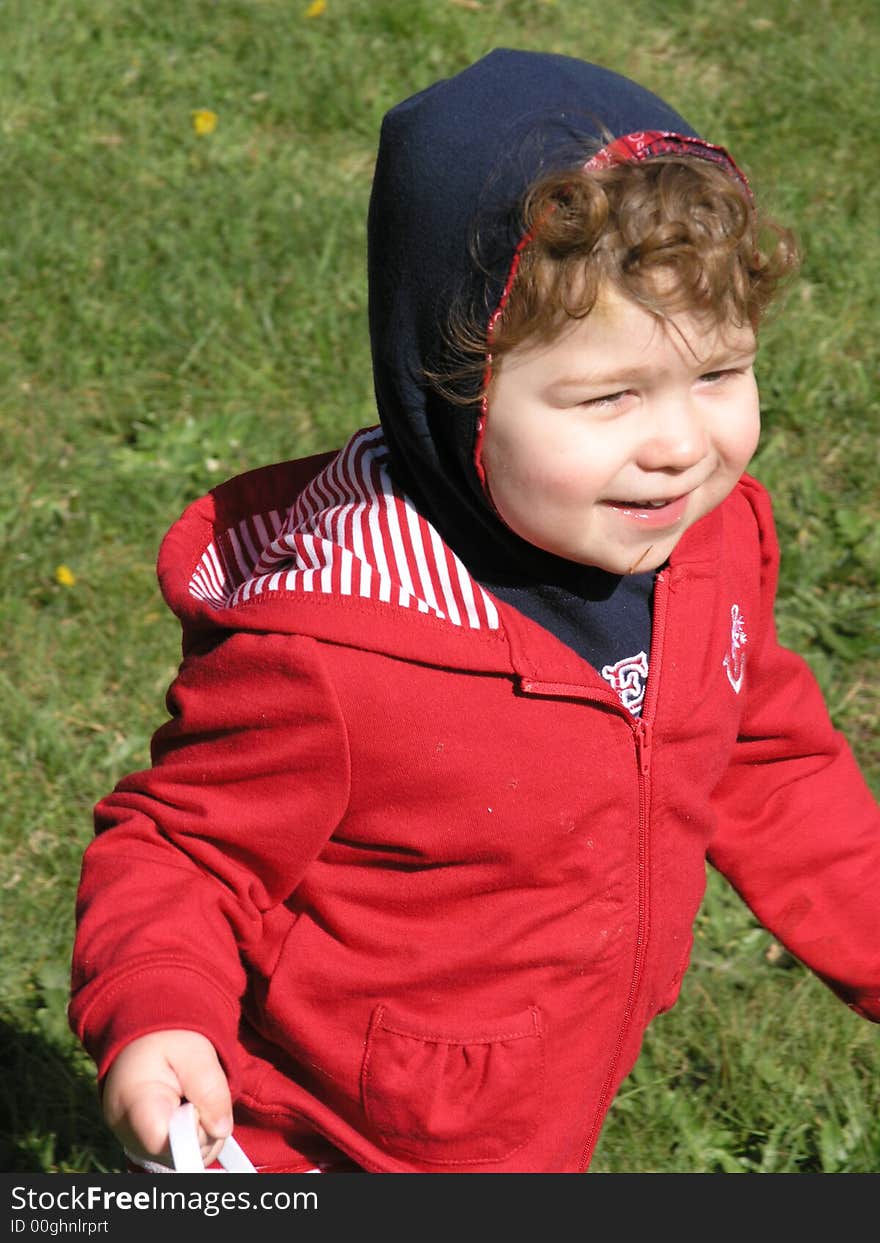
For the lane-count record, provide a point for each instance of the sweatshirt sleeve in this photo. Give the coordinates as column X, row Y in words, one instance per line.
column 249, row 779
column 798, row 828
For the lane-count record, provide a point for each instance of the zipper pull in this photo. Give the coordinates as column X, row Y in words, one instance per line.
column 643, row 746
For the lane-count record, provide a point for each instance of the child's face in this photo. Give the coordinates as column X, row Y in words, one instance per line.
column 606, row 445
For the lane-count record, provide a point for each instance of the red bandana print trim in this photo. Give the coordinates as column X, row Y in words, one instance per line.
column 647, row 144
column 487, row 374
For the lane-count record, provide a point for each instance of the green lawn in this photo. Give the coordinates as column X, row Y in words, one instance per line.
column 178, row 307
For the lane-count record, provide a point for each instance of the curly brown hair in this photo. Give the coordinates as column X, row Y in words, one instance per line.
column 673, row 234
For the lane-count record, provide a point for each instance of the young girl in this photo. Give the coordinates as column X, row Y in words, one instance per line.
column 465, row 708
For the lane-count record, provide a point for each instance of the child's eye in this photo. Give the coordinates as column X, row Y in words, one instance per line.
column 607, row 399
column 725, row 373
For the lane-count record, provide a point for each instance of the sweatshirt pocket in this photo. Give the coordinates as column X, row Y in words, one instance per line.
column 673, row 988
column 453, row 1097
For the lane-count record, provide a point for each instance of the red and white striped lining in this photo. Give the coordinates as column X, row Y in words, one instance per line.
column 351, row 532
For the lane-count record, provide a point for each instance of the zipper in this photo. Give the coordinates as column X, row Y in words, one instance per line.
column 658, row 636
column 643, row 730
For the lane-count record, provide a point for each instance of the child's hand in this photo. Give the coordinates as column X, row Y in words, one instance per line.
column 147, row 1082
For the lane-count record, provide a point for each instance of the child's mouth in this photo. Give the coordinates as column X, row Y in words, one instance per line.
column 659, row 512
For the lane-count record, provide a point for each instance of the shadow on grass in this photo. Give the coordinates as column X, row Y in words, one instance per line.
column 50, row 1121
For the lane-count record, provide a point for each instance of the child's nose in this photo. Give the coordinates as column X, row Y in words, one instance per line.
column 676, row 438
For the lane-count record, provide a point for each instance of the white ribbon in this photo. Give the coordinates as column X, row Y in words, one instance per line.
column 183, row 1138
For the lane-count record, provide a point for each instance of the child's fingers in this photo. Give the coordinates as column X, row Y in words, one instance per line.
column 143, row 1128
column 208, row 1147
column 203, row 1082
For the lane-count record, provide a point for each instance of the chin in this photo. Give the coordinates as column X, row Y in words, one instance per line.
column 637, row 560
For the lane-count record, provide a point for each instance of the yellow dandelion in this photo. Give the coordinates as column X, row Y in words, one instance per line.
column 316, row 8
column 204, row 121
column 65, row 576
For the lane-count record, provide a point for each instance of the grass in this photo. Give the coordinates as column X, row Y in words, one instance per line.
column 176, row 308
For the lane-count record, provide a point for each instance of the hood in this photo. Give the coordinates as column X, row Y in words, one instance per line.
column 327, row 547
column 458, row 155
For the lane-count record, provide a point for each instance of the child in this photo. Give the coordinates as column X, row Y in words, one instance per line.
column 464, row 708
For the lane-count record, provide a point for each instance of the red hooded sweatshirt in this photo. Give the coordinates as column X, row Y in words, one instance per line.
column 407, row 860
